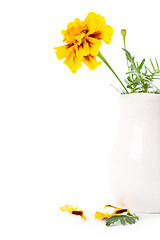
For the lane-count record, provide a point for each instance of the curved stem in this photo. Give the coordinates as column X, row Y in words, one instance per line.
column 124, row 41
column 105, row 61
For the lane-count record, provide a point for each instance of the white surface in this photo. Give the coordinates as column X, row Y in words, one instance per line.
column 135, row 161
column 57, row 129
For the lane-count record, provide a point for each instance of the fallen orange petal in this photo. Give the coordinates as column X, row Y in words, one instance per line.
column 72, row 210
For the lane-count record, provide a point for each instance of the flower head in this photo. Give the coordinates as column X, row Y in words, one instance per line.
column 83, row 40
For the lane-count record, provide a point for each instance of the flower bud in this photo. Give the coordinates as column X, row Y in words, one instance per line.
column 123, row 32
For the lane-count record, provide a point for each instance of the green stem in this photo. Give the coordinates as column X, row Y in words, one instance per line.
column 105, row 61
column 124, row 41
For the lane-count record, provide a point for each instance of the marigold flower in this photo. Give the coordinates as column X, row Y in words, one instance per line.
column 83, row 40
column 72, row 210
column 105, row 215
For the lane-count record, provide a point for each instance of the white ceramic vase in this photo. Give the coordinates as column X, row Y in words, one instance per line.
column 135, row 163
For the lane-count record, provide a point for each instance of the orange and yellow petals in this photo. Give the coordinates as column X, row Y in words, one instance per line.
column 95, row 22
column 94, row 45
column 74, row 211
column 107, row 34
column 83, row 217
column 67, row 208
column 63, row 51
column 82, row 50
column 99, row 215
column 120, row 211
column 84, row 38
column 75, row 58
column 73, row 55
column 74, row 29
column 79, row 213
column 98, row 28
column 110, row 206
column 72, row 64
column 79, row 38
column 91, row 62
column 117, row 211
column 72, row 61
column 105, row 215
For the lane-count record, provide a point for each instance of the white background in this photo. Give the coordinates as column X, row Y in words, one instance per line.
column 56, row 128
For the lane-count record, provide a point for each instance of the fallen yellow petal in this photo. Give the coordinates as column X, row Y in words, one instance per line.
column 120, row 211
column 72, row 210
column 99, row 215
column 106, row 215
column 117, row 210
column 110, row 206
column 68, row 208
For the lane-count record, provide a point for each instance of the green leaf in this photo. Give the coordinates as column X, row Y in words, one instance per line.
column 113, row 219
column 152, row 64
column 157, row 63
column 130, row 58
column 136, row 217
column 123, row 219
column 128, row 55
column 141, row 65
column 149, row 70
column 130, row 220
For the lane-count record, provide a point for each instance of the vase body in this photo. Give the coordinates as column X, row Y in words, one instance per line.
column 135, row 162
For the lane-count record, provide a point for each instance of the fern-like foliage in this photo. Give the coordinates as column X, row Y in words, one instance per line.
column 123, row 219
column 139, row 77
